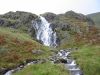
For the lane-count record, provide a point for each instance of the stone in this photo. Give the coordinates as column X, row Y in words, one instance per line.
column 37, row 52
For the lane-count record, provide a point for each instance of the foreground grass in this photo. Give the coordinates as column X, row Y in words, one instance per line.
column 43, row 69
column 88, row 57
column 16, row 46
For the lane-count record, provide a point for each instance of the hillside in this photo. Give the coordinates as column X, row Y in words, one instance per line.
column 67, row 25
column 17, row 20
column 73, row 29
column 16, row 47
column 88, row 57
column 18, row 42
column 96, row 18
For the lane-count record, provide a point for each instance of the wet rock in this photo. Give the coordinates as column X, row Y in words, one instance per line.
column 4, row 70
column 21, row 65
column 31, row 60
column 56, row 61
column 63, row 60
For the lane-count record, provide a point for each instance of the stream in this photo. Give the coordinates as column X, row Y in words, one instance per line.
column 10, row 72
column 48, row 37
column 70, row 64
column 63, row 56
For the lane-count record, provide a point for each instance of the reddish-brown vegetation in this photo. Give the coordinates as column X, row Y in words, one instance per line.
column 2, row 40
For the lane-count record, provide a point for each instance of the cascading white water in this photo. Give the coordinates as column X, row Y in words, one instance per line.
column 44, row 33
column 71, row 63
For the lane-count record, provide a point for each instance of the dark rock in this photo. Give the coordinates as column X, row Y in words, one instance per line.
column 63, row 60
column 33, row 29
column 57, row 61
column 4, row 70
column 30, row 60
column 21, row 65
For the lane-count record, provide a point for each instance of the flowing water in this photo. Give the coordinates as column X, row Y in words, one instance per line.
column 10, row 72
column 70, row 63
column 48, row 37
column 44, row 32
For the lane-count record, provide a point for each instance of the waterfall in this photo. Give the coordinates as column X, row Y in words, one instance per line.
column 44, row 32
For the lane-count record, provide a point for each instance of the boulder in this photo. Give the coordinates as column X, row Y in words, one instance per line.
column 37, row 52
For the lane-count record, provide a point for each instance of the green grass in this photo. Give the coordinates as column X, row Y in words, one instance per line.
column 88, row 57
column 43, row 69
column 14, row 33
column 16, row 46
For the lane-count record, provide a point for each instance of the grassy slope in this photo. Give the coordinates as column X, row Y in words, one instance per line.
column 96, row 18
column 16, row 46
column 88, row 57
column 43, row 69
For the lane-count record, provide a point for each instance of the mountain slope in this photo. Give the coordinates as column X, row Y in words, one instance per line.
column 16, row 44
column 16, row 47
column 44, row 69
column 96, row 18
column 88, row 57
column 18, row 20
column 72, row 28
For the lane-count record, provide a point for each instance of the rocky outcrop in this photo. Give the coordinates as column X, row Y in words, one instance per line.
column 19, row 19
column 49, row 16
column 81, row 17
column 70, row 21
